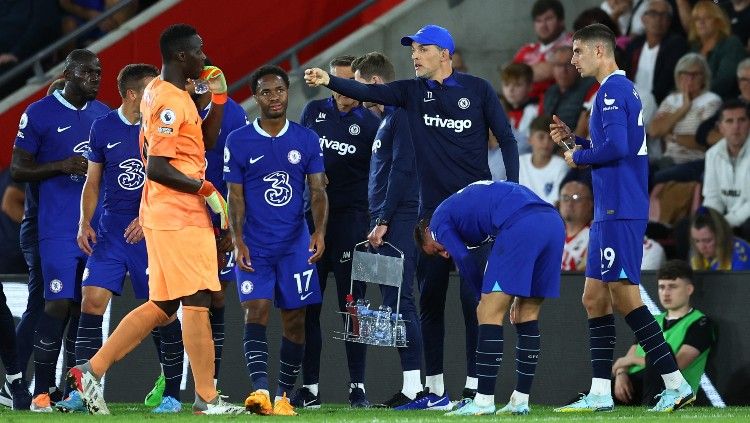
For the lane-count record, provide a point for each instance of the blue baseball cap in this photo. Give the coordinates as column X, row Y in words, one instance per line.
column 431, row 34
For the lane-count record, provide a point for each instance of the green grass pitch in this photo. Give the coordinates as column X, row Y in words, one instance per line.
column 339, row 413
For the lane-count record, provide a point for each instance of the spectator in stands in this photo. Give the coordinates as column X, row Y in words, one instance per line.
column 542, row 170
column 726, row 181
column 78, row 12
column 25, row 28
column 458, row 61
column 596, row 15
column 714, row 246
column 577, row 211
column 549, row 26
column 682, row 111
column 689, row 333
column 516, row 80
column 708, row 132
column 650, row 58
column 11, row 258
column 635, row 25
column 621, row 13
column 710, row 35
column 738, row 12
column 566, row 97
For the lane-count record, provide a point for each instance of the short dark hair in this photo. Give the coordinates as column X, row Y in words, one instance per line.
column 540, row 123
column 132, row 75
column 596, row 32
column 674, row 269
column 542, row 6
column 267, row 70
column 78, row 56
column 374, row 63
column 420, row 229
column 732, row 104
column 345, row 60
column 174, row 39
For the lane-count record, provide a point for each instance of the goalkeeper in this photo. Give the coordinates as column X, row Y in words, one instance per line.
column 179, row 235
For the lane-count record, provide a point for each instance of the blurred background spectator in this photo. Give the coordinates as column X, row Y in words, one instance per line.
column 738, row 12
column 516, row 80
column 11, row 258
column 565, row 98
column 710, row 35
column 78, row 12
column 542, row 170
column 714, row 246
column 549, row 27
column 726, row 183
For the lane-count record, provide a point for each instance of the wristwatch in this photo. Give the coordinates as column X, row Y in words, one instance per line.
column 381, row 222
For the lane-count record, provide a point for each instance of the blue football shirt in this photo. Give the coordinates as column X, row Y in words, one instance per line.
column 114, row 143
column 234, row 118
column 272, row 171
column 617, row 151
column 346, row 140
column 51, row 130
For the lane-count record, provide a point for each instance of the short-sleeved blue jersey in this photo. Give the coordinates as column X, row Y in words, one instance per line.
column 51, row 130
column 346, row 140
column 393, row 184
column 272, row 171
column 474, row 216
column 740, row 256
column 114, row 144
column 450, row 123
column 234, row 117
column 617, row 151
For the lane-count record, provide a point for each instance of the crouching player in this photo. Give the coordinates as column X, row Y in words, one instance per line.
column 265, row 165
column 528, row 236
column 117, row 245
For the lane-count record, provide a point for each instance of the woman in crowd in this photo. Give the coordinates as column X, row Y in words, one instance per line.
column 714, row 246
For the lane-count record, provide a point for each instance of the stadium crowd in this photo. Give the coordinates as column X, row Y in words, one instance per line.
column 688, row 61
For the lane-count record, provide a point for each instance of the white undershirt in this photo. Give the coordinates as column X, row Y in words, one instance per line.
column 644, row 77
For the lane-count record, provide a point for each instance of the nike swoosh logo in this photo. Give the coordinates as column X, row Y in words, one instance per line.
column 63, row 129
column 304, row 297
column 309, row 402
column 344, row 260
column 225, row 271
column 253, row 160
column 319, row 120
column 605, row 271
column 113, row 145
column 432, row 404
column 427, row 100
column 253, row 357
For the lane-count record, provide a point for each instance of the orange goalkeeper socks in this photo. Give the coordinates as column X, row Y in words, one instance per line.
column 128, row 334
column 199, row 345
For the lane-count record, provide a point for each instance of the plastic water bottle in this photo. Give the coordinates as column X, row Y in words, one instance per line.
column 399, row 331
column 365, row 325
column 384, row 329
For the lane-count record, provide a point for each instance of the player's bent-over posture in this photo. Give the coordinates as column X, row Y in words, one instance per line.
column 527, row 237
column 619, row 161
column 179, row 236
column 265, row 165
column 450, row 115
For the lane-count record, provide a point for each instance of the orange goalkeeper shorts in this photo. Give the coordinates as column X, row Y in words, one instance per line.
column 181, row 262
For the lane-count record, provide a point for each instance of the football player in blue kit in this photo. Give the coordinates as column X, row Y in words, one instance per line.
column 266, row 165
column 52, row 138
column 346, row 131
column 394, row 201
column 450, row 115
column 234, row 117
column 527, row 236
column 618, row 158
column 116, row 246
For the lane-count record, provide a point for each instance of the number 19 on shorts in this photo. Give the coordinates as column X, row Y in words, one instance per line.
column 607, row 254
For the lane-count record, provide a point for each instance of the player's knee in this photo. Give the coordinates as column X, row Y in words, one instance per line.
column 95, row 301
column 596, row 305
column 256, row 312
column 58, row 309
column 294, row 326
column 217, row 299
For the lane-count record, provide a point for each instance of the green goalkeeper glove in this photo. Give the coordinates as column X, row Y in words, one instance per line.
column 215, row 201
